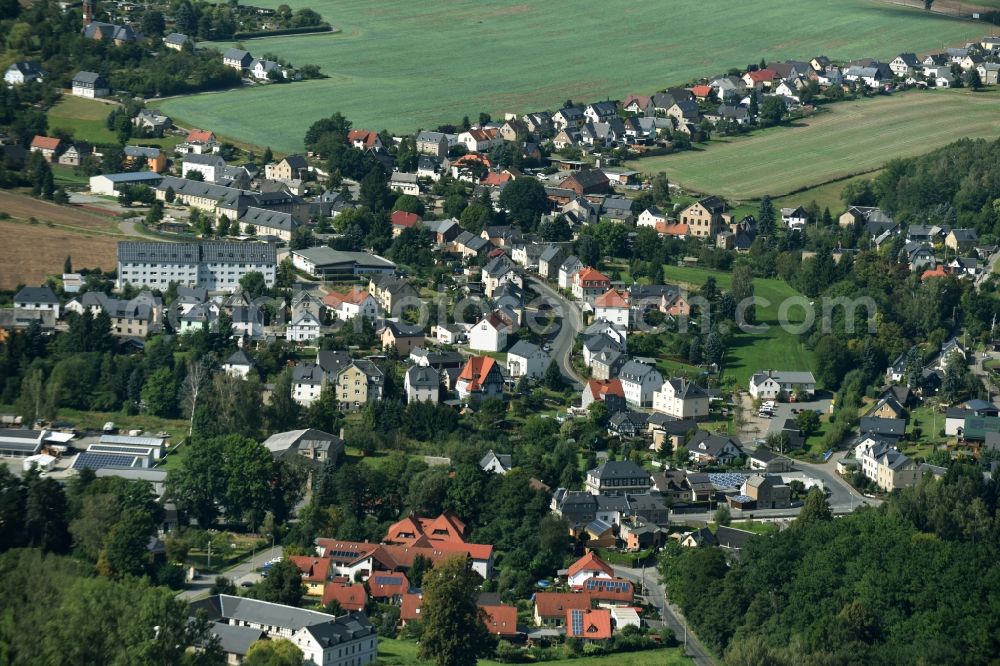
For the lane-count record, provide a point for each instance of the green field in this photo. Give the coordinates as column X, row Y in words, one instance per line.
column 776, row 348
column 848, row 138
column 398, row 652
column 85, row 118
column 403, row 65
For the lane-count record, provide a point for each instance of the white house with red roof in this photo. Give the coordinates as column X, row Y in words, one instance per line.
column 353, row 303
column 480, row 378
column 613, row 306
column 48, row 146
column 489, row 334
column 364, row 140
column 587, row 567
column 401, row 219
column 589, row 283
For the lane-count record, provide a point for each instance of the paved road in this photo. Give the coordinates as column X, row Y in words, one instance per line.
column 656, row 594
column 242, row 571
column 572, row 323
column 988, row 269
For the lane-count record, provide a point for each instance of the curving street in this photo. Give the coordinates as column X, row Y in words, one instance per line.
column 571, row 324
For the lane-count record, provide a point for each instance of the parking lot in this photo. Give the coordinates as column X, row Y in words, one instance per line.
column 760, row 427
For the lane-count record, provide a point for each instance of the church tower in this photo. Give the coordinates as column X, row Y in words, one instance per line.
column 88, row 12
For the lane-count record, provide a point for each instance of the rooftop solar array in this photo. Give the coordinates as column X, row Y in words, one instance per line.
column 155, row 442
column 342, row 554
column 577, row 617
column 607, row 585
column 387, row 580
column 117, row 448
column 102, row 460
column 727, row 479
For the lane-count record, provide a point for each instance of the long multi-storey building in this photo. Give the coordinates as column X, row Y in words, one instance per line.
column 213, row 265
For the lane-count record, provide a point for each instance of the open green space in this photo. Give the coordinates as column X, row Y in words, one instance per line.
column 397, row 652
column 847, row 138
column 85, row 118
column 774, row 348
column 402, row 65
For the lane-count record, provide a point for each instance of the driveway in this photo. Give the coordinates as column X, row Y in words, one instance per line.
column 656, row 594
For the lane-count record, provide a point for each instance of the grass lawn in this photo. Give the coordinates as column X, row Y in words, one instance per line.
column 774, row 348
column 86, row 118
column 930, row 421
column 846, row 139
column 396, row 652
column 403, row 65
column 755, row 526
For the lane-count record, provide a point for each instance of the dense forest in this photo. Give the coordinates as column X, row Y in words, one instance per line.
column 911, row 582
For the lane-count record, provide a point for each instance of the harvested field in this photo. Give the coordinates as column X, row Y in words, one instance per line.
column 31, row 252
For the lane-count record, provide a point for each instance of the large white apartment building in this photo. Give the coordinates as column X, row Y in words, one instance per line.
column 214, row 265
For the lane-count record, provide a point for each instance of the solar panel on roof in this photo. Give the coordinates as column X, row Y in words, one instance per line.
column 102, row 460
column 577, row 616
column 117, row 448
column 387, row 580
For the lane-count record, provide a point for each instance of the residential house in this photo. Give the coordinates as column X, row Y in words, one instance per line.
column 401, row 337
column 37, row 299
column 588, row 284
column 237, row 59
column 351, row 597
column 304, row 327
column 549, row 261
column 21, row 72
column 356, row 302
column 239, row 364
column 90, row 85
column 588, row 625
column 526, row 359
column 401, row 219
column 604, row 357
column 365, row 140
column 705, row 217
column 794, row 219
column 617, row 477
column 496, row 463
column 422, row 384
column 587, row 567
column 681, row 399
column 480, row 378
column 639, row 381
column 292, row 167
column 315, row 573
column 489, row 334
column 608, row 391
column 551, row 608
column 176, row 41
column 359, row 383
column 767, row 492
column 989, row 73
column 571, row 116
column 75, row 154
column 613, row 306
column 48, row 146
column 775, row 384
column 764, row 460
column 209, row 166
column 568, row 270
column 628, row 424
column 961, row 240
column 153, row 159
column 708, row 448
column 432, row 143
column 500, row 270
column 324, row 640
column 905, row 64
column 651, row 217
column 308, row 443
column 151, row 122
column 480, row 139
column 600, row 112
column 405, row 183
column 393, row 294
column 889, row 468
column 872, row 76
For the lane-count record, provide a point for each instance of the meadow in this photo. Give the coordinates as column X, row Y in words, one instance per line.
column 86, row 119
column 774, row 348
column 402, row 65
column 846, row 138
column 396, row 652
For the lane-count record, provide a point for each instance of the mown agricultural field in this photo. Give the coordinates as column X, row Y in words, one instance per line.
column 775, row 348
column 86, row 119
column 849, row 138
column 404, row 65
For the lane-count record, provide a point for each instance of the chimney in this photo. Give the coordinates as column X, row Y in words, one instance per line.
column 88, row 12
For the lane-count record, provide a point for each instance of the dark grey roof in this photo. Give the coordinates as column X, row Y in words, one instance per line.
column 307, row 373
column 879, row 426
column 239, row 357
column 635, row 371
column 240, row 252
column 234, row 639
column 271, row 219
column 421, row 376
column 332, row 361
column 153, row 252
column 176, row 38
column 523, row 348
column 341, row 630
column 41, row 294
column 729, row 537
column 619, row 469
column 92, row 78
column 403, row 330
column 505, row 459
column 236, row 54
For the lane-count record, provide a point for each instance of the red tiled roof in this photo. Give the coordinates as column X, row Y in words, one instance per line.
column 415, row 530
column 501, row 620
column 940, row 271
column 675, row 229
column 494, row 179
column 314, row 569
column 612, row 299
column 204, row 136
column 410, row 608
column 642, row 100
column 351, row 597
column 366, row 138
column 701, row 91
column 476, row 369
column 596, row 625
column 45, row 142
column 762, row 75
column 401, row 218
column 590, row 562
column 387, row 586
column 617, row 590
column 600, row 389
column 355, row 296
column 472, row 157
column 589, row 274
column 358, row 551
column 555, row 604
column 495, row 252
